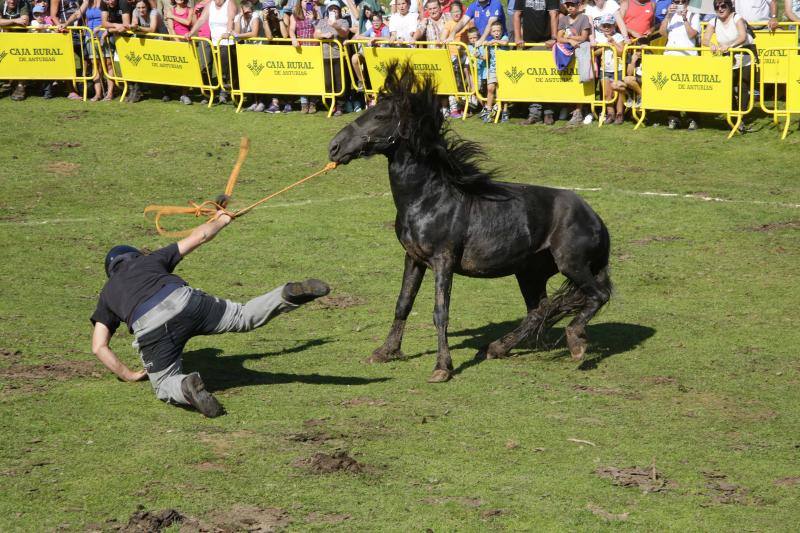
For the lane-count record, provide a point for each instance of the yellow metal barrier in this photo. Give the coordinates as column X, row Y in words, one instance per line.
column 530, row 75
column 28, row 53
column 437, row 61
column 698, row 84
column 266, row 68
column 161, row 59
column 790, row 72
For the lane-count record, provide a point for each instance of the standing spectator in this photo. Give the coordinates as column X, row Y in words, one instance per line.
column 301, row 26
column 574, row 29
column 681, row 28
column 403, row 23
column 91, row 12
column 247, row 25
column 483, row 13
column 219, row 15
column 457, row 56
column 15, row 13
column 333, row 26
column 791, row 9
column 414, row 6
column 204, row 53
column 536, row 21
column 478, row 53
column 433, row 27
column 639, row 17
column 363, row 12
column 180, row 18
column 145, row 19
column 115, row 18
column 730, row 30
column 596, row 10
column 271, row 20
column 757, row 12
column 60, row 12
column 608, row 35
column 496, row 38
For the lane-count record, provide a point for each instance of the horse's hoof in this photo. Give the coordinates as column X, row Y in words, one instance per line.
column 491, row 353
column 578, row 352
column 439, row 376
column 382, row 356
column 576, row 340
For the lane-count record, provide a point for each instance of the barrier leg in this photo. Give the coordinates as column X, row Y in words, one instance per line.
column 734, row 124
column 641, row 118
column 124, row 91
column 466, row 108
column 786, row 126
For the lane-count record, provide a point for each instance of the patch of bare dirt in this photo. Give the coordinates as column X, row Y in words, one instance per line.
column 311, row 422
column 605, row 515
column 656, row 238
column 241, row 518
column 222, row 443
column 722, row 491
column 209, row 466
column 338, row 301
column 660, row 380
column 148, row 521
column 64, row 144
column 355, row 402
column 62, row 168
column 789, row 224
column 74, row 115
column 491, row 513
column 309, row 436
column 60, row 371
column 647, row 479
column 322, row 463
column 462, row 500
column 5, row 352
column 787, row 482
column 327, row 518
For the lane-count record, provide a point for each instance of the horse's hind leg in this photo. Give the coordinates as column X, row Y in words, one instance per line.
column 412, row 279
column 500, row 347
column 596, row 290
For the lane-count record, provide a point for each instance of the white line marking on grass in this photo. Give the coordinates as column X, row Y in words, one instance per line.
column 45, row 221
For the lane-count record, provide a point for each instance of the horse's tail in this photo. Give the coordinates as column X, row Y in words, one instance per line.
column 566, row 301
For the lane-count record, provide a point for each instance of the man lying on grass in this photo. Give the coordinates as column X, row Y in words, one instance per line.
column 163, row 313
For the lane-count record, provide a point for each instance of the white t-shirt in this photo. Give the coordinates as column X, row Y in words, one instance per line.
column 752, row 10
column 404, row 26
column 728, row 33
column 608, row 55
column 595, row 13
column 677, row 36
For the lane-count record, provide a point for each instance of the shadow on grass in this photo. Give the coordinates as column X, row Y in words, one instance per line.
column 227, row 372
column 606, row 340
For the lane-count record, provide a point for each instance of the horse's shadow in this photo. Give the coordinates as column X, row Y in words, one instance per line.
column 606, row 339
column 229, row 371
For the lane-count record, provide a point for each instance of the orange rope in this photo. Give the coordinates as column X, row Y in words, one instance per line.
column 210, row 208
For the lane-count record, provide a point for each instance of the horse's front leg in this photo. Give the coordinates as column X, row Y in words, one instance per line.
column 441, row 313
column 412, row 279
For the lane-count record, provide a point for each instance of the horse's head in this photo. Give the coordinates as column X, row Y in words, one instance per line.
column 407, row 111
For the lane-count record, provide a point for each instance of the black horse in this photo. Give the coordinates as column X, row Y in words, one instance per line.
column 454, row 218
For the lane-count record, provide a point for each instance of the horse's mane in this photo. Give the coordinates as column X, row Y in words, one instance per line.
column 429, row 137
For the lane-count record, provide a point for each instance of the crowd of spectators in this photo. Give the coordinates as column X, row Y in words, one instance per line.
column 566, row 26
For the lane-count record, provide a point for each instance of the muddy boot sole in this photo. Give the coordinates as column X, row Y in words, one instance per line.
column 194, row 390
column 298, row 293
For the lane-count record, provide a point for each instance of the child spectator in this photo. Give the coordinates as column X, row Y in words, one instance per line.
column 460, row 61
column 246, row 25
column 334, row 27
column 496, row 39
column 478, row 53
column 301, row 26
column 608, row 35
column 376, row 30
column 574, row 29
column 39, row 23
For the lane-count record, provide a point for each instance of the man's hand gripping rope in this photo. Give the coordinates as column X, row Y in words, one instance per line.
column 215, row 208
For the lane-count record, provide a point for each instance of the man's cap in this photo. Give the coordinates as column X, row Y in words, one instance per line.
column 38, row 9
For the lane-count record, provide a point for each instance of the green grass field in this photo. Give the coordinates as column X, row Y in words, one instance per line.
column 695, row 372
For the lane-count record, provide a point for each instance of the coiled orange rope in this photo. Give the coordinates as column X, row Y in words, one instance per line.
column 209, row 208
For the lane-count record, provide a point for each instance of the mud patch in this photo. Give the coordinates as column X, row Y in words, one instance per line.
column 322, row 463
column 62, row 168
column 491, row 513
column 146, row 521
column 309, row 436
column 338, row 301
column 222, row 443
column 241, row 518
column 656, row 238
column 787, row 482
column 355, row 402
column 660, row 380
column 790, row 224
column 721, row 491
column 647, row 479
column 61, row 371
column 605, row 515
column 462, row 500
column 5, row 352
column 313, row 422
column 64, row 144
column 209, row 466
column 323, row 518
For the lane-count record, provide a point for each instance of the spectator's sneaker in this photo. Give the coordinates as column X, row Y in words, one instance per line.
column 504, row 116
column 312, row 108
column 185, row 100
column 194, row 390
column 204, row 101
column 588, row 119
column 692, row 125
column 357, row 107
column 287, row 108
column 455, row 114
column 252, row 108
column 273, row 108
column 563, row 113
column 299, row 293
column 74, row 96
column 223, row 98
column 620, row 119
column 165, row 98
column 338, row 112
column 629, row 102
column 548, row 119
column 260, row 107
column 484, row 113
column 577, row 118
column 135, row 96
column 609, row 117
column 673, row 123
column 304, row 108
column 638, row 102
column 48, row 92
column 19, row 93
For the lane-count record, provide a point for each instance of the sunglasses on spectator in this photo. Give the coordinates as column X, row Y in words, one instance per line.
column 680, row 2
column 720, row 7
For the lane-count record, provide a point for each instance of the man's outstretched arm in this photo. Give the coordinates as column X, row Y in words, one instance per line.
column 203, row 233
column 100, row 338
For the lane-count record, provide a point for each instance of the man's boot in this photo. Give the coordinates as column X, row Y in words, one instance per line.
column 298, row 293
column 194, row 390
